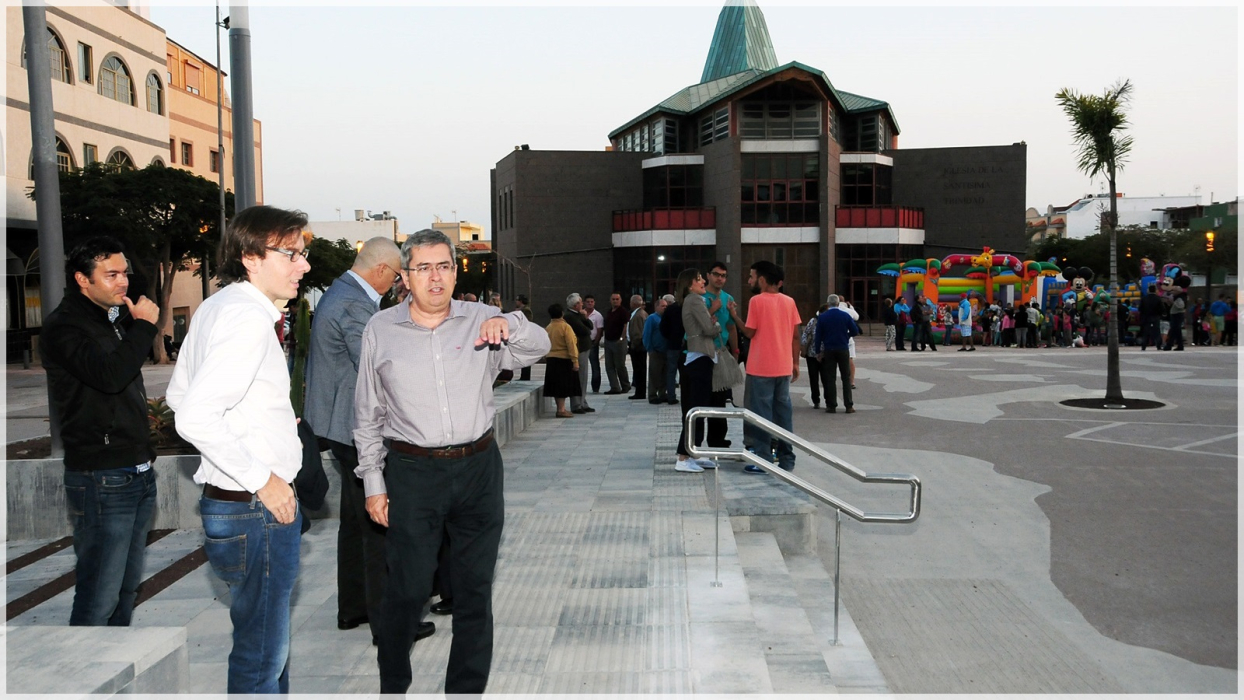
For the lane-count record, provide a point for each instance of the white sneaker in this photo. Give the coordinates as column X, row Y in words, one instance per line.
column 688, row 465
column 706, row 463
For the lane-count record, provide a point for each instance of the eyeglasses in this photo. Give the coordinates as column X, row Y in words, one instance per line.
column 426, row 269
column 293, row 255
column 715, row 273
column 396, row 275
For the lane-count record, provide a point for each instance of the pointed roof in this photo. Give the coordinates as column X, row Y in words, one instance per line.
column 740, row 43
column 691, row 99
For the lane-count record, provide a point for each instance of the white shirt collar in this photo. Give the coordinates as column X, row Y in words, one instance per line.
column 371, row 291
column 252, row 291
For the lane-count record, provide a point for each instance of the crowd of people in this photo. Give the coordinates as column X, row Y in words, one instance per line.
column 1161, row 321
column 698, row 347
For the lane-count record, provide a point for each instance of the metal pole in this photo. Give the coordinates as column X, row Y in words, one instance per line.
column 244, row 193
column 220, row 157
column 837, row 568
column 47, row 178
column 716, row 525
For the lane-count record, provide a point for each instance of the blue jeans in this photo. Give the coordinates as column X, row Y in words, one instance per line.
column 769, row 398
column 673, row 364
column 111, row 510
column 258, row 558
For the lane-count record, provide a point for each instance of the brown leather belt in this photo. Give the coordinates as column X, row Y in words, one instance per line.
column 219, row 494
column 450, row 452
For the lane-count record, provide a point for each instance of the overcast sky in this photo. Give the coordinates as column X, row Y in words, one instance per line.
column 406, row 108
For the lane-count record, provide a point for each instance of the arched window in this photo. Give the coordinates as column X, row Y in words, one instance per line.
column 155, row 95
column 114, row 81
column 64, row 158
column 57, row 58
column 158, row 161
column 120, row 159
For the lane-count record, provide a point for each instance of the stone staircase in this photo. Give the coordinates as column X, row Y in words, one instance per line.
column 605, row 584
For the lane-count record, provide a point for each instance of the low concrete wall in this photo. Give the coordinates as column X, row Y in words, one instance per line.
column 35, row 494
column 96, row 660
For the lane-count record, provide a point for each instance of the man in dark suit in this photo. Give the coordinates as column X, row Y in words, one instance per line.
column 1150, row 314
column 332, row 372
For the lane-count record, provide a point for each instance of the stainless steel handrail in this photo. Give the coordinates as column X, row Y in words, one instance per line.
column 840, row 506
column 851, row 470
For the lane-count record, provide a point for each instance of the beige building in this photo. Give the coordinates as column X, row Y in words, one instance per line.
column 192, row 138
column 122, row 92
column 464, row 233
column 108, row 94
column 109, row 99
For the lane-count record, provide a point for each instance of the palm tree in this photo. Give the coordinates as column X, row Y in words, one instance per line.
column 1096, row 123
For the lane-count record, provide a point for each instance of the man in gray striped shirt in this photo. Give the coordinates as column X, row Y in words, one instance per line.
column 429, row 464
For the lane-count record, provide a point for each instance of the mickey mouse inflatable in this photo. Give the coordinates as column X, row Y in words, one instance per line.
column 1078, row 291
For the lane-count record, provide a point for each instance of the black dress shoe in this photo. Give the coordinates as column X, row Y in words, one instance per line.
column 632, row 398
column 426, row 629
column 672, row 402
column 654, row 401
column 443, row 607
column 349, row 623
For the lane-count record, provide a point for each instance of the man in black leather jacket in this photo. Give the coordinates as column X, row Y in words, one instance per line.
column 93, row 347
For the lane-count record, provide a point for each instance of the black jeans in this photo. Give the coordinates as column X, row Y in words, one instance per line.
column 1150, row 333
column 427, row 497
column 717, row 427
column 841, row 360
column 639, row 367
column 361, row 569
column 814, row 378
column 900, row 330
column 697, row 390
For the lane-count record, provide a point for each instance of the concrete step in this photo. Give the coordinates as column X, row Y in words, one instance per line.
column 793, row 652
column 118, row 660
column 850, row 661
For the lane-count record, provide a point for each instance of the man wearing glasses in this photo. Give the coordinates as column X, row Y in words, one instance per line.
column 719, row 300
column 332, row 369
column 429, row 464
column 230, row 390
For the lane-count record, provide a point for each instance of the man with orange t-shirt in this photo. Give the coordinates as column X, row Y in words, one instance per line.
column 772, row 361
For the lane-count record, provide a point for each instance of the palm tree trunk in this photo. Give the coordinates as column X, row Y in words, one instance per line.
column 1114, row 384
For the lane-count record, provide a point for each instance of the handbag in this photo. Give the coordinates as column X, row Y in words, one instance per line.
column 726, row 373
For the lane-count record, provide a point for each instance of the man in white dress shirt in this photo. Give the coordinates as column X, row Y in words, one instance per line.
column 230, row 391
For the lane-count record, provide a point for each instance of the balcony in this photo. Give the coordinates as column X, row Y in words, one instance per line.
column 879, row 217
column 664, row 219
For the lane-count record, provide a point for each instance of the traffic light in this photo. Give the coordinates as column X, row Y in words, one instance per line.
column 1209, row 241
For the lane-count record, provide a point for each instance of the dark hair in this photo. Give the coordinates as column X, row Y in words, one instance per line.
column 772, row 273
column 522, row 298
column 683, row 286
column 588, row 296
column 718, row 264
column 555, row 310
column 250, row 233
column 86, row 254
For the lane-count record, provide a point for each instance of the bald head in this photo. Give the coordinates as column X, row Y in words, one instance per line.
column 378, row 262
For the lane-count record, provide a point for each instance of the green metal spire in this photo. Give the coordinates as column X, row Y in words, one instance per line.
column 741, row 42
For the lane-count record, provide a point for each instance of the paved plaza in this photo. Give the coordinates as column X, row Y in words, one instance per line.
column 1058, row 550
